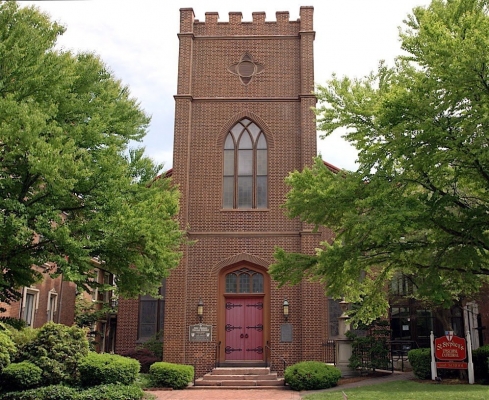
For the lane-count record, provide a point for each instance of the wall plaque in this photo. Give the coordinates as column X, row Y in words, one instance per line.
column 286, row 333
column 200, row 333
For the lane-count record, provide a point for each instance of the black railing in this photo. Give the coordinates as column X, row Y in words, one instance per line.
column 399, row 350
column 210, row 364
column 329, row 352
column 218, row 351
column 268, row 355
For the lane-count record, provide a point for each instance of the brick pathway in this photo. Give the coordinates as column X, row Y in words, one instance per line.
column 227, row 394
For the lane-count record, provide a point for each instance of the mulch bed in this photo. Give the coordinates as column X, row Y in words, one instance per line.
column 352, row 379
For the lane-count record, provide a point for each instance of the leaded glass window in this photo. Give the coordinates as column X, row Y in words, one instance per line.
column 244, row 280
column 245, row 167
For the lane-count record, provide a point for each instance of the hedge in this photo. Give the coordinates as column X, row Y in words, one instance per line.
column 60, row 392
column 311, row 375
column 175, row 376
column 420, row 360
column 23, row 375
column 97, row 369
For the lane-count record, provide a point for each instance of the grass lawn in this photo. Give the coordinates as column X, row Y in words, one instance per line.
column 407, row 390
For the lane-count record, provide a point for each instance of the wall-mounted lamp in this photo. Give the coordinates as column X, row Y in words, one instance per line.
column 286, row 310
column 200, row 310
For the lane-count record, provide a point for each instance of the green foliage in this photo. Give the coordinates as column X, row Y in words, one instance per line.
column 57, row 349
column 420, row 360
column 175, row 376
column 7, row 349
column 97, row 369
column 154, row 344
column 68, row 178
column 60, row 392
column 370, row 352
column 481, row 366
column 20, row 376
column 87, row 312
column 145, row 357
column 311, row 375
column 15, row 323
column 418, row 204
column 112, row 392
column 21, row 339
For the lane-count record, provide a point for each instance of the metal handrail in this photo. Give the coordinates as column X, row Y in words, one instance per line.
column 268, row 355
column 285, row 366
column 218, row 350
column 216, row 361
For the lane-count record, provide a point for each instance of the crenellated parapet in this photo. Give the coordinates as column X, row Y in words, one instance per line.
column 235, row 26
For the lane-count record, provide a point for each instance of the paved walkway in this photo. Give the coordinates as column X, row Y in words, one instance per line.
column 266, row 394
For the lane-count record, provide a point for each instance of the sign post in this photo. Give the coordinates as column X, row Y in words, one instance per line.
column 450, row 352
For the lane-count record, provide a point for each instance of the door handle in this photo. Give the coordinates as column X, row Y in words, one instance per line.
column 246, row 336
column 241, row 336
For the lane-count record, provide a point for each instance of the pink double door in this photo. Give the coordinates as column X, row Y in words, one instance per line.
column 244, row 329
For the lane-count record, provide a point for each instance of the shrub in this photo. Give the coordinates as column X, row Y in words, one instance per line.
column 154, row 344
column 54, row 392
column 145, row 357
column 481, row 365
column 21, row 375
column 311, row 375
column 175, row 376
column 7, row 349
column 21, row 338
column 112, row 392
column 57, row 349
column 97, row 369
column 60, row 392
column 420, row 360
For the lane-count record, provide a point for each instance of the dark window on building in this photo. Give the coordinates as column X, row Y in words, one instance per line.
column 245, row 180
column 151, row 315
column 244, row 280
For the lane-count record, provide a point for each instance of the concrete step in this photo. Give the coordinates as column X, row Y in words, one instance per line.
column 239, row 383
column 241, row 371
column 240, row 377
column 212, row 377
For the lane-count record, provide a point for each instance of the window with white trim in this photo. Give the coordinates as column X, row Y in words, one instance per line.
column 52, row 305
column 30, row 304
column 245, row 170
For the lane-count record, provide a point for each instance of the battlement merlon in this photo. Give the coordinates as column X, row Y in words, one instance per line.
column 235, row 25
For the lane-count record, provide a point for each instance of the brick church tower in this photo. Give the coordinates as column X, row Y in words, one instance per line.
column 243, row 121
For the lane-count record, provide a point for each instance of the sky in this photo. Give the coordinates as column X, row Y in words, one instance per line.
column 138, row 42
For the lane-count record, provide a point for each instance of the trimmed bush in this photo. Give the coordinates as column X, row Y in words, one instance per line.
column 60, row 392
column 98, row 369
column 311, row 375
column 420, row 360
column 57, row 349
column 54, row 392
column 112, row 392
column 481, row 365
column 175, row 376
column 7, row 349
column 145, row 357
column 23, row 375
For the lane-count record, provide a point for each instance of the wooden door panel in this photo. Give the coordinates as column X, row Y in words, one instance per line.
column 244, row 329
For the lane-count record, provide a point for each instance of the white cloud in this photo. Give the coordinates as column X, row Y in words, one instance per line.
column 138, row 41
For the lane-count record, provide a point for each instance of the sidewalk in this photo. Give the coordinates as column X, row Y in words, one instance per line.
column 267, row 394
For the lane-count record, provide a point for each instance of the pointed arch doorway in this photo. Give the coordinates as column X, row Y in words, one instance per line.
column 244, row 315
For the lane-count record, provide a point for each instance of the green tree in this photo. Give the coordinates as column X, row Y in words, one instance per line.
column 418, row 205
column 70, row 188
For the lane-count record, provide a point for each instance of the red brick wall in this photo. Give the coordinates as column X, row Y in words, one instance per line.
column 65, row 313
column 210, row 100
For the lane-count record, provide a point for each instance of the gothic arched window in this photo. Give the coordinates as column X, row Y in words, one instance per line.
column 244, row 280
column 245, row 167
